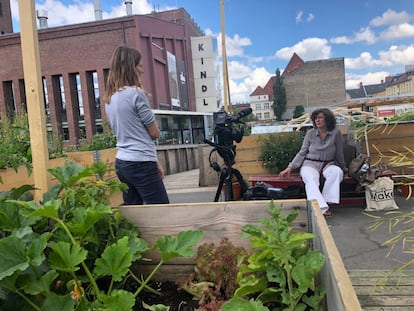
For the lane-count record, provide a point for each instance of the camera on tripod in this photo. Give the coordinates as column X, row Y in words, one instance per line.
column 228, row 128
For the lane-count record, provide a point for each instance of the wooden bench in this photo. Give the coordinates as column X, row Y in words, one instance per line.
column 294, row 187
column 374, row 292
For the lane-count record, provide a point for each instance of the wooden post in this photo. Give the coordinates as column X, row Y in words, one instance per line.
column 227, row 103
column 34, row 96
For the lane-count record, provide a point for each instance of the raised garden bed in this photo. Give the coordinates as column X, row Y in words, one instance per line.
column 225, row 219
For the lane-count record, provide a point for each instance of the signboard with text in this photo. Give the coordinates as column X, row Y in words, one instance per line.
column 205, row 74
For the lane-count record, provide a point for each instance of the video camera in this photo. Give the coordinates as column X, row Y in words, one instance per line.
column 225, row 132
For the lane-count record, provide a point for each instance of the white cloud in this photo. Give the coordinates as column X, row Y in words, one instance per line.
column 234, row 45
column 353, row 80
column 299, row 17
column 398, row 55
column 238, row 70
column 364, row 35
column 365, row 60
column 390, row 17
column 394, row 56
column 241, row 89
column 60, row 14
column 307, row 49
column 310, row 17
column 404, row 30
column 341, row 40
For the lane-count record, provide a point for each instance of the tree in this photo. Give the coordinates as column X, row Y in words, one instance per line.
column 279, row 96
column 299, row 111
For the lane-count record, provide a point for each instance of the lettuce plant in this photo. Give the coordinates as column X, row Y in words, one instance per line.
column 73, row 251
column 214, row 279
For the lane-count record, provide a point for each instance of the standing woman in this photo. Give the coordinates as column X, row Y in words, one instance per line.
column 321, row 154
column 135, row 128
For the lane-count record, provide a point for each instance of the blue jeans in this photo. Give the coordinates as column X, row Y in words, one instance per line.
column 145, row 185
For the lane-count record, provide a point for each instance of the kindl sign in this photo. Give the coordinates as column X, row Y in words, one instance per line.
column 205, row 73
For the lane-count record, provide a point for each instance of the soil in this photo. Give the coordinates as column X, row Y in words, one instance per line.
column 177, row 299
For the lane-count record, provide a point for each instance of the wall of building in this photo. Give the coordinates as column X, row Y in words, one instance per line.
column 75, row 62
column 315, row 84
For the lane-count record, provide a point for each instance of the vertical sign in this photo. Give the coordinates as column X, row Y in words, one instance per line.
column 205, row 73
column 173, row 79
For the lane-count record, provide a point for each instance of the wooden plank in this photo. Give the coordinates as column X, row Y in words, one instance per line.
column 388, row 309
column 377, row 290
column 382, row 290
column 388, row 301
column 334, row 277
column 216, row 219
column 84, row 158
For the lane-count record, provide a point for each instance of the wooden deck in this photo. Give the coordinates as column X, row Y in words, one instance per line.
column 377, row 292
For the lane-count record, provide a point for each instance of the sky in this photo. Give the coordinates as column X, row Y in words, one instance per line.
column 375, row 37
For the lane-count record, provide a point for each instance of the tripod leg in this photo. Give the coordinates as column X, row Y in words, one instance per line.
column 228, row 192
column 243, row 185
column 223, row 174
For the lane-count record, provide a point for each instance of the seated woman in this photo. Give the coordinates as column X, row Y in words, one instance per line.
column 321, row 155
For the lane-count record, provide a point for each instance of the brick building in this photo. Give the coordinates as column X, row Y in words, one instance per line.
column 75, row 62
column 311, row 84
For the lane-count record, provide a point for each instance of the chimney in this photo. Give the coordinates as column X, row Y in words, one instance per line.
column 360, row 85
column 128, row 4
column 98, row 10
column 42, row 17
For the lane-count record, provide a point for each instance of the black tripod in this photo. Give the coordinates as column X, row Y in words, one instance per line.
column 227, row 172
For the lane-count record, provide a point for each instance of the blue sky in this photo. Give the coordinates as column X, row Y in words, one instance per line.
column 374, row 36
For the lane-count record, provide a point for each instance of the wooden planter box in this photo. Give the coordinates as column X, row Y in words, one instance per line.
column 389, row 138
column 225, row 219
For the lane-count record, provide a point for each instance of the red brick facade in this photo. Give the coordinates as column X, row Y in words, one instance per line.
column 74, row 64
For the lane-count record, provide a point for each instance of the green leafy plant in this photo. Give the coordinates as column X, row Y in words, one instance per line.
column 281, row 273
column 73, row 251
column 214, row 278
column 277, row 150
column 15, row 142
column 100, row 141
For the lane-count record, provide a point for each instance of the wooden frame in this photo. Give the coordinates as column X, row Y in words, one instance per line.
column 225, row 219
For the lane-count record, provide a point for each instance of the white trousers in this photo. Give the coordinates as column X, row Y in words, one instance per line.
column 331, row 189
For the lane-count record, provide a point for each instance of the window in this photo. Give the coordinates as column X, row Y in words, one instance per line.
column 266, row 115
column 79, row 96
column 258, row 106
column 259, row 116
column 46, row 100
column 97, row 103
column 9, row 99
column 266, row 106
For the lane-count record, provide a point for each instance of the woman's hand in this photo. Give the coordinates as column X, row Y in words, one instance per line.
column 160, row 169
column 285, row 172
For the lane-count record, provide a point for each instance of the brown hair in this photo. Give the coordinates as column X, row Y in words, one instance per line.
column 123, row 71
column 330, row 119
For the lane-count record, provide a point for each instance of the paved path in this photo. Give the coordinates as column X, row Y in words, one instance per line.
column 360, row 247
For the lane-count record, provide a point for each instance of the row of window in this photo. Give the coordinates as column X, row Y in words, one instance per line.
column 402, row 88
column 175, row 128
column 57, row 93
column 264, row 116
column 266, row 106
